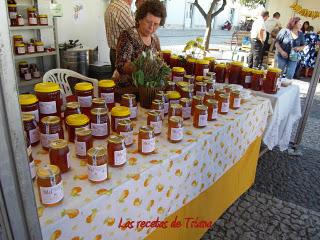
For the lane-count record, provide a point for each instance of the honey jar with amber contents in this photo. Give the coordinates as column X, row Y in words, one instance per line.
column 209, row 95
column 125, row 129
column 100, row 123
column 29, row 104
column 235, row 100
column 75, row 121
column 210, row 85
column 146, row 140
column 72, row 108
column 246, row 76
column 31, row 128
column 189, row 79
column 196, row 100
column 175, row 129
column 106, row 91
column 161, row 95
column 84, row 93
column 181, row 85
column 158, row 106
column 200, row 117
column 83, row 142
column 97, row 164
column 212, row 109
column 171, row 86
column 212, row 62
column 154, row 120
column 202, row 67
column 98, row 103
column 190, row 66
column 200, row 88
column 187, row 92
column 174, row 97
column 221, row 72
column 235, row 72
column 129, row 100
column 257, row 79
column 118, row 113
column 50, row 129
column 218, row 92
column 166, row 54
column 186, row 108
column 177, row 74
column 117, row 151
column 223, row 104
column 270, row 85
column 59, row 154
column 175, row 110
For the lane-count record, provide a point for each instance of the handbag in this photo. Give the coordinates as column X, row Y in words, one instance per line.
column 294, row 56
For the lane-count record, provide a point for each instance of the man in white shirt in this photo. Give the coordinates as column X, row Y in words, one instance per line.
column 272, row 26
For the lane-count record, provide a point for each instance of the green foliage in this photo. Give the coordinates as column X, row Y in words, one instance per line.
column 253, row 3
column 195, row 48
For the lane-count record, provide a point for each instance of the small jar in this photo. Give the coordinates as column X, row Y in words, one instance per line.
column 200, row 88
column 154, row 120
column 74, row 122
column 29, row 104
column 235, row 72
column 181, row 85
column 223, row 104
column 270, row 85
column 175, row 110
column 186, row 108
column 218, row 92
column 174, row 97
column 209, row 95
column 12, row 11
column 97, row 164
column 146, row 140
column 72, row 108
column 202, row 67
column 196, row 100
column 175, row 129
column 23, row 66
column 158, row 106
column 212, row 62
column 174, row 61
column 200, row 117
column 246, row 76
column 20, row 49
column 118, row 113
column 84, row 93
column 98, row 103
column 50, row 129
column 171, row 86
column 31, row 128
column 129, row 101
column 177, row 74
column 212, row 109
column 50, row 185
column 190, row 66
column 100, row 123
column 235, row 100
column 117, row 151
column 187, row 92
column 59, row 154
column 32, row 16
column 31, row 48
column 17, row 39
column 210, row 85
column 43, row 19
column 189, row 79
column 106, row 91
column 257, row 80
column 125, row 129
column 164, row 98
column 221, row 71
column 227, row 88
column 32, row 165
column 20, row 20
column 39, row 47
column 83, row 142
column 166, row 54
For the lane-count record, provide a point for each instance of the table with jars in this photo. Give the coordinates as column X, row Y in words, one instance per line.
column 98, row 165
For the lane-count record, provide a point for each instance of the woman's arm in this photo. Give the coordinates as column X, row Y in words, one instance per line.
column 283, row 53
column 124, row 54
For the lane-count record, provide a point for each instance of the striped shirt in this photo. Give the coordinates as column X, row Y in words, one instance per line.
column 118, row 17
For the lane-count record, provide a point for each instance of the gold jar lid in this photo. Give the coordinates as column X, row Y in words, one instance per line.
column 237, row 92
column 47, row 171
column 73, row 105
column 83, row 132
column 257, row 71
column 99, row 101
column 201, row 84
column 199, row 78
column 154, row 113
column 274, row 70
column 146, row 129
column 124, row 122
column 209, row 59
column 157, row 102
column 210, row 94
column 171, row 83
column 199, row 98
column 166, row 51
column 116, row 139
column 237, row 63
column 188, row 76
column 173, row 56
column 178, row 69
column 191, row 60
column 175, row 106
column 98, row 151
column 182, row 84
column 176, row 119
column 128, row 96
column 207, row 78
column 224, row 96
column 202, row 107
column 246, row 69
column 99, row 111
column 186, row 89
column 50, row 120
column 58, row 144
column 211, row 102
column 221, row 65
column 185, row 100
column 219, row 90
column 27, row 117
column 120, row 111
column 227, row 86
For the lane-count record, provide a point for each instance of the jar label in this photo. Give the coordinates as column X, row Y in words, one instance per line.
column 85, row 101
column 23, row 69
column 51, row 195
column 133, row 112
column 214, row 113
column 166, row 108
column 29, row 151
column 199, row 93
column 27, row 76
column 211, row 90
column 157, row 126
column 81, row 148
column 148, row 145
column 31, row 49
column 44, row 21
column 278, row 83
column 247, row 79
column 68, row 159
column 225, row 107
column 108, row 97
column 116, row 121
column 99, row 129
column 120, row 157
column 236, row 102
column 20, row 21
column 128, row 137
column 97, row 173
column 21, row 50
column 186, row 112
column 205, row 71
column 40, row 48
column 45, row 139
column 34, row 135
column 13, row 15
column 32, row 167
column 177, row 79
column 33, row 21
column 48, row 107
column 203, row 120
column 261, row 81
column 176, row 134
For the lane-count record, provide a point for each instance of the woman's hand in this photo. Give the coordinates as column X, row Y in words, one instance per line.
column 284, row 54
column 298, row 49
column 129, row 67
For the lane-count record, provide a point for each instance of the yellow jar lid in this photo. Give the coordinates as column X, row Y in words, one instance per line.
column 58, row 144
column 83, row 86
column 39, row 43
column 246, row 69
column 178, row 69
column 26, row 117
column 166, row 51
column 17, row 36
column 32, row 9
column 257, row 71
column 43, row 15
column 47, row 171
column 22, row 62
column 199, row 78
column 106, row 83
column 191, row 60
column 237, row 63
column 77, row 120
column 27, row 99
column 19, row 45
column 115, row 138
column 209, row 58
column 46, row 87
column 182, row 84
column 120, row 111
column 275, row 70
column 12, row 5
column 203, row 61
column 173, row 95
column 221, row 65
column 174, row 57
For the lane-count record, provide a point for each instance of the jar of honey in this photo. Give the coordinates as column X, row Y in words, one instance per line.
column 59, row 154
column 200, row 117
column 20, row 48
column 125, row 129
column 174, row 61
column 218, row 92
column 189, row 79
column 174, row 97
column 171, row 86
column 154, row 120
column 212, row 76
column 83, row 142
column 117, row 151
column 84, row 93
column 257, row 80
column 212, row 109
column 212, row 62
column 166, row 54
column 17, row 39
column 235, row 72
column 187, row 92
column 50, row 185
column 177, row 74
column 164, row 98
column 202, row 67
column 39, row 47
column 227, row 88
column 23, row 66
column 50, row 102
column 29, row 104
column 43, row 19
column 186, row 108
column 31, row 128
column 190, row 66
column 50, row 129
column 32, row 165
column 72, row 108
column 221, row 71
column 98, row 103
column 209, row 95
column 32, row 16
column 31, row 48
column 97, row 164
column 200, row 88
column 146, row 140
column 106, row 91
column 75, row 121
column 100, row 123
column 129, row 100
column 223, row 104
column 118, row 113
column 175, row 109
column 235, row 100
column 20, row 20
column 158, row 106
column 175, row 129
column 246, row 76
column 196, row 100
column 210, row 85
column 181, row 85
column 270, row 83
column 12, row 11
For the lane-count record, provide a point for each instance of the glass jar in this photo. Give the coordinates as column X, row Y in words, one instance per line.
column 209, row 95
column 235, row 100
column 118, row 113
column 175, row 109
column 166, row 54
column 146, row 140
column 164, row 98
column 187, row 92
column 245, row 79
column 98, row 103
column 223, row 104
column 50, row 185
column 97, row 164
column 227, row 88
column 20, row 49
column 218, row 92
column 43, row 19
column 125, row 129
column 171, row 86
column 84, row 93
column 221, row 71
column 117, row 151
column 106, row 91
column 210, row 85
column 158, row 106
column 186, row 108
column 174, row 61
column 212, row 109
column 212, row 62
column 31, row 128
column 50, row 102
column 83, row 142
column 212, row 76
column 202, row 67
column 23, row 66
column 177, row 74
column 235, row 72
column 17, row 39
column 189, row 79
column 12, row 11
column 59, row 154
column 154, row 120
column 72, row 108
column 271, row 81
column 257, row 80
column 200, row 117
column 20, row 20
column 181, row 85
column 175, row 129
column 174, row 97
column 32, row 166
column 29, row 104
column 39, row 47
column 200, row 88
column 32, row 16
column 196, row 100
column 75, row 121
column 190, row 66
column 50, row 129
column 129, row 100
column 31, row 48
column 100, row 123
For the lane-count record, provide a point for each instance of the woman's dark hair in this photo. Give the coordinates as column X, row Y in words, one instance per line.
column 292, row 22
column 154, row 7
column 305, row 28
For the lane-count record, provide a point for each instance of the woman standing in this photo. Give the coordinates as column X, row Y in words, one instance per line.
column 305, row 26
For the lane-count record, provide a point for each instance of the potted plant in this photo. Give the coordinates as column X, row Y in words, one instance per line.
column 195, row 48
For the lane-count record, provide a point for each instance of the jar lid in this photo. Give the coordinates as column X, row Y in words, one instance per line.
column 106, row 83
column 73, row 105
column 43, row 15
column 46, row 87
column 146, row 129
column 199, row 78
column 83, row 131
column 39, row 43
column 275, row 70
column 77, row 120
column 115, row 138
column 246, row 69
column 50, row 120
column 257, row 71
column 166, row 51
column 83, row 86
column 221, row 65
column 99, row 111
column 120, row 111
column 201, row 84
column 128, row 96
column 225, row 96
column 98, row 101
column 17, row 36
column 206, row 78
column 182, row 84
column 191, row 60
column 188, row 76
column 124, row 122
column 98, row 151
column 155, row 113
column 227, row 86
column 211, row 102
column 47, row 171
column 235, row 92
column 174, row 56
column 19, row 45
column 157, row 102
column 175, row 105
column 176, row 119
column 220, row 89
column 32, row 9
column 178, row 69
column 12, row 5
column 208, row 81
column 185, row 100
column 202, row 107
column 203, row 61
column 209, row 58
column 173, row 95
column 27, row 99
column 197, row 97
column 58, row 144
column 210, row 94
column 26, row 117
column 186, row 89
column 237, row 63
column 22, row 62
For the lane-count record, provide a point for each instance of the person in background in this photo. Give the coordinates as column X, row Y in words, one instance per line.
column 272, row 25
column 138, row 3
column 258, row 36
column 289, row 42
column 118, row 17
column 305, row 26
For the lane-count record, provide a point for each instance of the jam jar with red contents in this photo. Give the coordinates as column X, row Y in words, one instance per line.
column 174, row 97
column 235, row 100
column 117, row 151
column 177, row 74
column 212, row 109
column 196, row 100
column 210, row 85
column 23, row 66
column 164, row 98
column 12, row 11
column 271, row 81
column 129, row 101
column 186, row 108
column 158, row 106
column 200, row 117
column 223, row 104
column 200, row 88
column 59, row 154
column 31, row 48
column 118, row 113
column 175, row 129
column 50, row 185
column 235, row 72
column 189, row 79
column 187, row 92
column 29, row 104
column 75, row 121
column 97, row 164
column 31, row 128
column 32, row 166
column 166, row 54
column 209, row 95
column 257, row 79
column 98, row 103
column 174, row 61
column 20, row 49
column 212, row 62
column 221, row 71
column 245, row 79
column 100, row 123
column 72, row 108
column 83, row 142
column 20, row 20
column 50, row 102
column 190, row 66
column 175, row 109
column 39, row 47
column 32, row 16
column 84, row 93
column 146, row 140
column 154, row 120
column 171, row 86
column 17, row 39
column 202, row 67
column 218, row 92
column 43, row 19
column 106, row 91
column 50, row 129
column 125, row 129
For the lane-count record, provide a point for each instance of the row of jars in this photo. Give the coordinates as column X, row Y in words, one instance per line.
column 33, row 18
column 31, row 47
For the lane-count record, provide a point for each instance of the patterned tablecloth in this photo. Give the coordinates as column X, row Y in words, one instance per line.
column 154, row 186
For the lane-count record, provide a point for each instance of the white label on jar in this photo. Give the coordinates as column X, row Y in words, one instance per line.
column 85, row 101
column 128, row 137
column 176, row 134
column 116, row 121
column 68, row 159
column 211, row 90
column 157, row 126
column 34, row 135
column 148, row 145
column 23, row 69
column 203, row 120
column 45, row 139
column 21, row 50
column 205, row 71
column 51, row 195
column 247, row 79
column 225, row 107
column 133, row 112
column 198, row 93
column 214, row 113
column 48, row 107
column 99, row 129
column 81, row 149
column 120, row 157
column 40, row 48
column 108, row 97
column 186, row 112
column 29, row 151
column 261, row 81
column 236, row 102
column 177, row 79
column 20, row 21
column 31, row 49
column 32, row 167
column 97, row 173
column 174, row 101
column 13, row 15
column 43, row 21
column 166, row 108
column 35, row 113
column 27, row 76
column 278, row 83
column 33, row 21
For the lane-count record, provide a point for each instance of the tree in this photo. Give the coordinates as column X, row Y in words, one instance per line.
column 209, row 17
column 253, row 3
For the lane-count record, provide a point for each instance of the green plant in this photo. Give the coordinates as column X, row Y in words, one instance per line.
column 150, row 71
column 195, row 48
